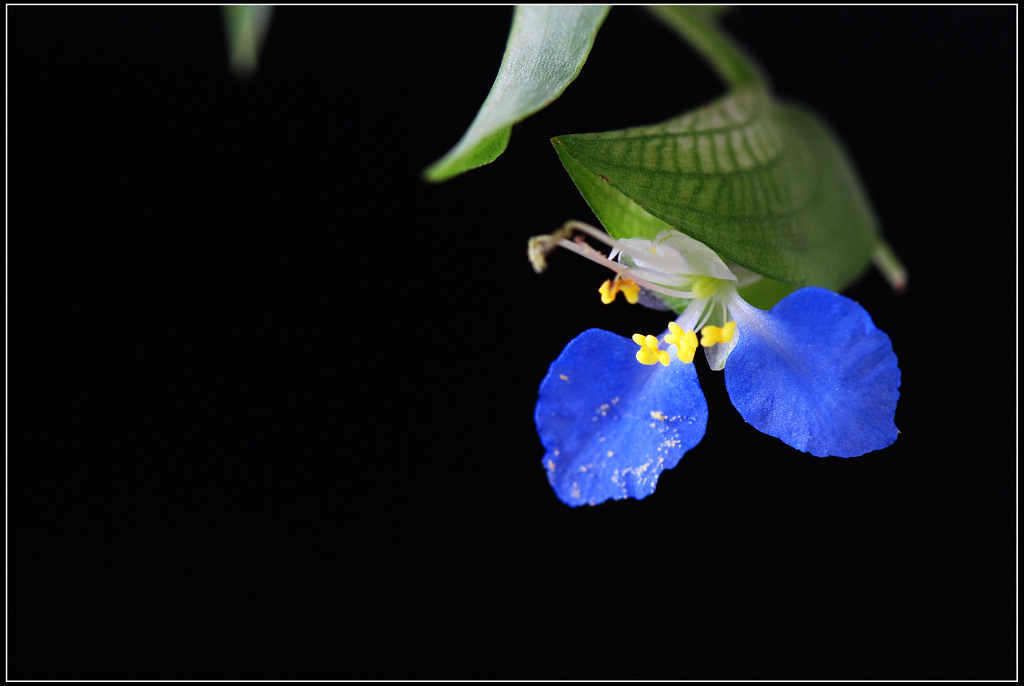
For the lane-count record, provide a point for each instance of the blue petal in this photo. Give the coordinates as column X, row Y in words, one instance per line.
column 610, row 425
column 816, row 373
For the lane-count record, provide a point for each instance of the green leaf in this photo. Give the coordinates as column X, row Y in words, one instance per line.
column 623, row 218
column 764, row 184
column 698, row 26
column 764, row 293
column 546, row 50
column 246, row 27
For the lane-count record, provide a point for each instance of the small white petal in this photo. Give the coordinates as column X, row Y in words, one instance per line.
column 695, row 257
column 717, row 354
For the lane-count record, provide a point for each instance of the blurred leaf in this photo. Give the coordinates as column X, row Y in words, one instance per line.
column 698, row 26
column 546, row 49
column 246, row 27
column 764, row 184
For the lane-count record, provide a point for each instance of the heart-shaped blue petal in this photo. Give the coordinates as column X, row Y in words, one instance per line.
column 816, row 373
column 609, row 424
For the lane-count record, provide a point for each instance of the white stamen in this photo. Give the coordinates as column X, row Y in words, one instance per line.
column 648, row 258
column 586, row 251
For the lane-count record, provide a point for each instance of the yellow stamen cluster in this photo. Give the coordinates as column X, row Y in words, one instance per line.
column 649, row 352
column 714, row 334
column 686, row 342
column 610, row 288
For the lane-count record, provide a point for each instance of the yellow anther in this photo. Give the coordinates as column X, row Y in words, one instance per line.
column 610, row 288
column 608, row 292
column 649, row 352
column 713, row 334
column 686, row 342
column 630, row 290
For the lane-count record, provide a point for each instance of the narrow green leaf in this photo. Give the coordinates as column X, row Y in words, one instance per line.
column 546, row 49
column 697, row 24
column 246, row 27
column 765, row 185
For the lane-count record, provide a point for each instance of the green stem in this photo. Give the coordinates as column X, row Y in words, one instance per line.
column 696, row 25
column 886, row 261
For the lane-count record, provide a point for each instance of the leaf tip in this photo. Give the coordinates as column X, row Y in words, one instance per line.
column 886, row 261
column 462, row 158
column 435, row 173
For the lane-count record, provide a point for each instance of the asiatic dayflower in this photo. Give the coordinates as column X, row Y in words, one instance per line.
column 814, row 371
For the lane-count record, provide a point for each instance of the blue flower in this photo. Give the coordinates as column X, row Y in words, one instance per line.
column 814, row 371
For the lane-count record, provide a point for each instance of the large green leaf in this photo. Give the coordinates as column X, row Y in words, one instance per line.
column 623, row 218
column 764, row 184
column 546, row 49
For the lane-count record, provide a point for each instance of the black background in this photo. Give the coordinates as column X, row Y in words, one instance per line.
column 271, row 395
